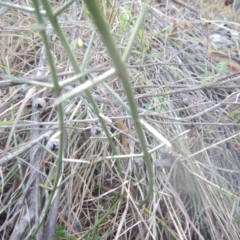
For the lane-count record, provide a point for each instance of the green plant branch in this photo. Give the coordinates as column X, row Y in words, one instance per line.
column 121, row 69
column 19, row 7
column 87, row 53
column 134, row 34
column 85, row 86
column 63, row 8
column 77, row 70
column 57, row 90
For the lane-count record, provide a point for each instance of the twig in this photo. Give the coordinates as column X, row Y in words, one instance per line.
column 186, row 5
column 26, row 147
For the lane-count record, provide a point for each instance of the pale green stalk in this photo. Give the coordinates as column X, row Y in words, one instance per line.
column 76, row 68
column 57, row 90
column 122, row 72
column 19, row 7
column 63, row 8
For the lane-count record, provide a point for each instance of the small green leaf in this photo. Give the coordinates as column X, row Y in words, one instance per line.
column 147, row 106
column 221, row 67
column 73, row 44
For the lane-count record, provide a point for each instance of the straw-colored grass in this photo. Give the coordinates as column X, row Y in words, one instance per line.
column 184, row 70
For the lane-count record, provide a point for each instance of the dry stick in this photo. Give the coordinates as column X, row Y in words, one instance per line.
column 20, row 201
column 186, row 5
column 148, row 113
column 35, row 159
column 33, row 182
column 189, row 88
column 208, row 110
column 227, row 100
column 26, row 147
column 36, row 155
column 51, row 221
column 143, row 112
column 24, row 221
column 24, row 127
column 9, row 81
column 20, row 228
column 213, row 145
column 152, row 113
column 184, row 88
column 34, row 198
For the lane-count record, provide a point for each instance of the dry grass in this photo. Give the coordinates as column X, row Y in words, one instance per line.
column 187, row 87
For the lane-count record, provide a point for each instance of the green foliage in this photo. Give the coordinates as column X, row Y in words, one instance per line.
column 163, row 101
column 147, row 105
column 73, row 44
column 236, row 114
column 144, row 42
column 61, row 234
column 125, row 20
column 221, row 67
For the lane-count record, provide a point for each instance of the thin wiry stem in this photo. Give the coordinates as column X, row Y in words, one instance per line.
column 57, row 90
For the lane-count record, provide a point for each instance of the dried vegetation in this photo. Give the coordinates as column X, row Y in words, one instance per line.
column 184, row 69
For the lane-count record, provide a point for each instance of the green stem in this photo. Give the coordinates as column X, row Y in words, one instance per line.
column 121, row 69
column 63, row 8
column 57, row 90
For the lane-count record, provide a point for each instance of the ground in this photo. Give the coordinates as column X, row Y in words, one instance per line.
column 116, row 128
